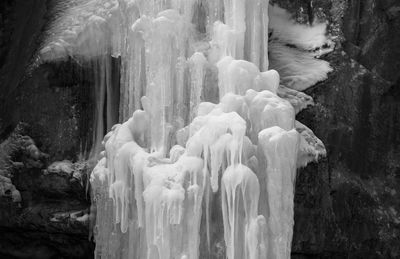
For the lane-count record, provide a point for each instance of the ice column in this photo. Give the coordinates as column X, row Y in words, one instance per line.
column 197, row 72
column 240, row 193
column 165, row 42
column 280, row 150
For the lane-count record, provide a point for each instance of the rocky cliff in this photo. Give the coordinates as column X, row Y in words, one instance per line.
column 347, row 206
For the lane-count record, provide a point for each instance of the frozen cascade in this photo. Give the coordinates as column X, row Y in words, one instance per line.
column 201, row 118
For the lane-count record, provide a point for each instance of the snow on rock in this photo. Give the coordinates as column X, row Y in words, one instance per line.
column 297, row 99
column 294, row 50
column 7, row 189
column 61, row 167
column 311, row 148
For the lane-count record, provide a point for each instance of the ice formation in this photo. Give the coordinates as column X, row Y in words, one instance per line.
column 200, row 115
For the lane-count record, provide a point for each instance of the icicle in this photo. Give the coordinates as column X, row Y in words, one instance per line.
column 223, row 42
column 165, row 215
column 165, row 43
column 280, row 150
column 215, row 12
column 132, row 61
column 240, row 193
column 197, row 62
column 256, row 36
column 235, row 19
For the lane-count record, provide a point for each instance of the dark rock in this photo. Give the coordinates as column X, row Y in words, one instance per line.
column 374, row 28
column 347, row 206
column 20, row 29
column 51, row 220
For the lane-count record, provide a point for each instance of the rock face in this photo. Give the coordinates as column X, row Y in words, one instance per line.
column 50, row 218
column 55, row 100
column 347, row 206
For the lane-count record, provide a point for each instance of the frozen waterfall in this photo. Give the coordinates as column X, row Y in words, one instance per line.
column 203, row 122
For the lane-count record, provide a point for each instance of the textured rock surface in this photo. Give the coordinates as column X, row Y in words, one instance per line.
column 50, row 221
column 54, row 101
column 347, row 206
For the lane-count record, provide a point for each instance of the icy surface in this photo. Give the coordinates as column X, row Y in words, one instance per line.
column 201, row 114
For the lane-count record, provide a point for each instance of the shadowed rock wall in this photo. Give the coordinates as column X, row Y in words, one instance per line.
column 55, row 104
column 349, row 205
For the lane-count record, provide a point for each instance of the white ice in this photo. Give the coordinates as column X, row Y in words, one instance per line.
column 201, row 112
